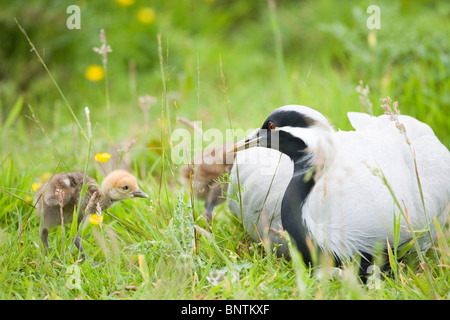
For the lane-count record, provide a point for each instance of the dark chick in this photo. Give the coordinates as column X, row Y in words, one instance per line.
column 203, row 174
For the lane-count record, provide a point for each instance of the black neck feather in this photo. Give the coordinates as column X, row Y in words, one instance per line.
column 292, row 204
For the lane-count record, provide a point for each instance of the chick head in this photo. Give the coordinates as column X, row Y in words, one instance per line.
column 121, row 185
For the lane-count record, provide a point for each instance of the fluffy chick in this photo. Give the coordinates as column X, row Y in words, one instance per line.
column 204, row 172
column 61, row 194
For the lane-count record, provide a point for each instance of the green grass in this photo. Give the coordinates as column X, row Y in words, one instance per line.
column 224, row 63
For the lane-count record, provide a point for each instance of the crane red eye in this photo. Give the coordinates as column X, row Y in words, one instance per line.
column 271, row 126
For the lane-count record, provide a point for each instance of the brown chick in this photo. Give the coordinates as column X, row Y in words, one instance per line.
column 62, row 192
column 205, row 170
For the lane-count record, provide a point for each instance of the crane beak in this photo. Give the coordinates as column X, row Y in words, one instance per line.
column 252, row 140
column 139, row 194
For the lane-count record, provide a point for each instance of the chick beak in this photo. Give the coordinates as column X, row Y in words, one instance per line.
column 139, row 194
column 252, row 140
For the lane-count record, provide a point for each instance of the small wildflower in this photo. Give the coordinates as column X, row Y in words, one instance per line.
column 146, row 15
column 145, row 102
column 36, row 185
column 94, row 73
column 125, row 3
column 88, row 121
column 96, row 219
column 400, row 127
column 29, row 199
column 387, row 108
column 45, row 176
column 372, row 39
column 98, row 207
column 364, row 96
column 104, row 49
column 395, row 105
column 393, row 112
column 102, row 157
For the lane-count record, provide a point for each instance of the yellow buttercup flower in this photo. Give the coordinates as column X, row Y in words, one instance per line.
column 29, row 199
column 125, row 3
column 96, row 219
column 146, row 15
column 36, row 185
column 102, row 157
column 372, row 39
column 94, row 73
column 46, row 176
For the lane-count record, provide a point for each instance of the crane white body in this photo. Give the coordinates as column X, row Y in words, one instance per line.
column 350, row 209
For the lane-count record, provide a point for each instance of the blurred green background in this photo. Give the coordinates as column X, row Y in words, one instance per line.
column 299, row 52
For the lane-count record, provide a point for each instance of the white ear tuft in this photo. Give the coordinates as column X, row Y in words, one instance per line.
column 66, row 182
column 319, row 140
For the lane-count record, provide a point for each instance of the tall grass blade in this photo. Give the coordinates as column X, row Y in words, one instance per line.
column 143, row 268
column 278, row 44
column 14, row 113
column 74, row 226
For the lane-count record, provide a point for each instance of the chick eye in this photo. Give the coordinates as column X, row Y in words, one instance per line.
column 125, row 187
column 271, row 126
